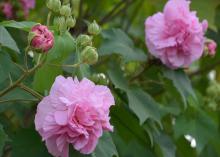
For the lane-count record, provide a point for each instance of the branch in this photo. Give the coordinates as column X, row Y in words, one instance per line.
column 23, row 77
column 31, row 91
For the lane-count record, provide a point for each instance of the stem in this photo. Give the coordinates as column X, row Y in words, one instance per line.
column 26, row 58
column 31, row 91
column 48, row 18
column 15, row 100
column 23, row 77
column 66, row 65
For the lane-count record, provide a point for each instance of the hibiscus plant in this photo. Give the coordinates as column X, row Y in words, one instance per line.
column 110, row 78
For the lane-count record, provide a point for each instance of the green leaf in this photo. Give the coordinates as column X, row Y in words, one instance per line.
column 201, row 127
column 116, row 76
column 3, row 139
column 143, row 105
column 117, row 42
column 26, row 143
column 24, row 25
column 45, row 76
column 7, row 41
column 182, row 84
column 6, row 66
column 105, row 147
column 165, row 145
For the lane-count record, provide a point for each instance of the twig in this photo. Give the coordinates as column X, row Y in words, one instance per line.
column 18, row 81
column 65, row 65
column 31, row 91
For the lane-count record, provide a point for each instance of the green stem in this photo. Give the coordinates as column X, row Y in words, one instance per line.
column 26, row 58
column 48, row 18
column 66, row 65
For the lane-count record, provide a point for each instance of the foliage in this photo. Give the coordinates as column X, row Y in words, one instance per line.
column 156, row 108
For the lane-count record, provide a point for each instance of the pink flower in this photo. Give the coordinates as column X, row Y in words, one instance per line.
column 74, row 113
column 7, row 9
column 27, row 5
column 211, row 47
column 43, row 39
column 175, row 36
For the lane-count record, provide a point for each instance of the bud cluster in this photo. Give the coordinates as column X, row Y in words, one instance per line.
column 89, row 54
column 64, row 18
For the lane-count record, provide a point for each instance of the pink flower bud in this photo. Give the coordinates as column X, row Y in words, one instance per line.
column 42, row 39
column 211, row 46
column 7, row 9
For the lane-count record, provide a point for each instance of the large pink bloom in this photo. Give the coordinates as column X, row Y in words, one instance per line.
column 175, row 36
column 43, row 39
column 74, row 113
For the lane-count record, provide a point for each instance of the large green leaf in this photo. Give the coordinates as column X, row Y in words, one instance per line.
column 181, row 82
column 3, row 139
column 105, row 147
column 26, row 143
column 45, row 76
column 7, row 41
column 24, row 25
column 141, row 103
column 201, row 127
column 116, row 41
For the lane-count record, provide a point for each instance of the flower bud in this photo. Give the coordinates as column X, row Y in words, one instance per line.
column 66, row 1
column 70, row 22
column 84, row 40
column 210, row 47
column 65, row 10
column 60, row 23
column 40, row 38
column 54, row 5
column 75, row 7
column 89, row 55
column 94, row 28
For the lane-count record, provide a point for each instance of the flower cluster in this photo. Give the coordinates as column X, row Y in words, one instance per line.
column 75, row 112
column 176, row 36
column 10, row 9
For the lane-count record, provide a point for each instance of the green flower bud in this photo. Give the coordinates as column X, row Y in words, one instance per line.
column 89, row 55
column 94, row 28
column 31, row 35
column 70, row 22
column 75, row 7
column 60, row 23
column 84, row 40
column 66, row 1
column 50, row 4
column 54, row 5
column 65, row 10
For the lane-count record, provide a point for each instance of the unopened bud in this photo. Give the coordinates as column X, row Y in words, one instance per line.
column 89, row 55
column 84, row 40
column 41, row 38
column 60, row 23
column 70, row 22
column 54, row 5
column 94, row 28
column 66, row 1
column 210, row 47
column 65, row 10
